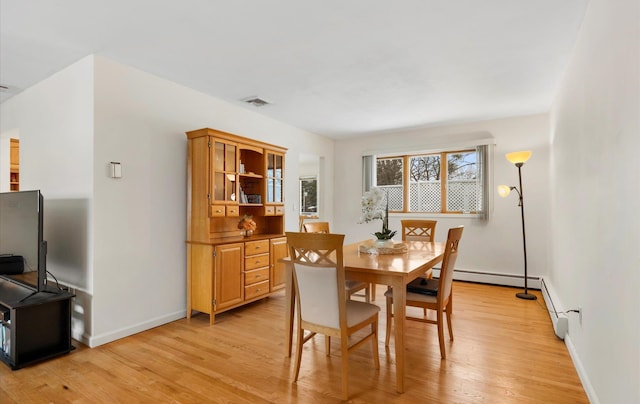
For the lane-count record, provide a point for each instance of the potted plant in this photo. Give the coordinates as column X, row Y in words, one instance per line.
column 375, row 206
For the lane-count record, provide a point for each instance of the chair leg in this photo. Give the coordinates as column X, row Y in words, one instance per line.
column 345, row 369
column 449, row 306
column 374, row 344
column 298, row 353
column 327, row 345
column 443, row 354
column 389, row 317
column 429, row 276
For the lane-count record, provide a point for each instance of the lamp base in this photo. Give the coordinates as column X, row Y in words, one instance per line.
column 526, row 296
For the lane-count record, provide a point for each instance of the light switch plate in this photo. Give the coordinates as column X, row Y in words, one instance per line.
column 116, row 170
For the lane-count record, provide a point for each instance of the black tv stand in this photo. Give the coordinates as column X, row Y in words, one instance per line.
column 35, row 292
column 38, row 324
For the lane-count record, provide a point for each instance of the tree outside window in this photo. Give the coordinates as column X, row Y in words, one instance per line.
column 389, row 174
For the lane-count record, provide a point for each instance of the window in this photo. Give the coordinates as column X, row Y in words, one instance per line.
column 450, row 181
column 308, row 195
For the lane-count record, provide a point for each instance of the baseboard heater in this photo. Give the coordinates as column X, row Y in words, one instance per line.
column 558, row 318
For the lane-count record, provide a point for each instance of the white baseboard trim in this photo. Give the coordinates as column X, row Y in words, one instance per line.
column 582, row 374
column 494, row 278
column 94, row 341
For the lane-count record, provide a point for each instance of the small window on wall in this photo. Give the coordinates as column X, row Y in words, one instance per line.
column 308, row 195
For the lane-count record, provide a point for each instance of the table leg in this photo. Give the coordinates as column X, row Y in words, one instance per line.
column 399, row 304
column 290, row 309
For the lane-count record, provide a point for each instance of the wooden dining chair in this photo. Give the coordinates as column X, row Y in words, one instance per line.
column 316, row 227
column 418, row 230
column 439, row 300
column 303, row 218
column 352, row 287
column 414, row 230
column 323, row 308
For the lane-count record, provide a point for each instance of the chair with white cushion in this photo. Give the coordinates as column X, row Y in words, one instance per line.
column 323, row 307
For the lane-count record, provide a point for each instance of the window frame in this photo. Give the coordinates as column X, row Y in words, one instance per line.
column 482, row 173
column 301, row 180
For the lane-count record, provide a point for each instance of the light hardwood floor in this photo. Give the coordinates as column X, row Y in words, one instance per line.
column 504, row 351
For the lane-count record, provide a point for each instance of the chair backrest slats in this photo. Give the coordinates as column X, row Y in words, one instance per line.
column 449, row 262
column 418, row 230
column 316, row 227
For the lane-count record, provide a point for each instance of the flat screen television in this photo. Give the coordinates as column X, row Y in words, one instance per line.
column 21, row 219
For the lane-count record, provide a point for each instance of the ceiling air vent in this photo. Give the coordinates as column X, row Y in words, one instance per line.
column 256, row 101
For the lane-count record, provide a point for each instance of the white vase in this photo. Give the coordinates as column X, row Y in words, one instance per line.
column 384, row 243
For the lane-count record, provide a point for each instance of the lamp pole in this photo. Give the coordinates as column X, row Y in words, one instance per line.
column 526, row 294
column 519, row 158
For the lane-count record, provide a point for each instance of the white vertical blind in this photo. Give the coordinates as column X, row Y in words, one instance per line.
column 368, row 172
column 482, row 181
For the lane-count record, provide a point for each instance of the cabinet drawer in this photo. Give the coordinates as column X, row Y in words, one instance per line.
column 256, row 247
column 257, row 275
column 224, row 210
column 279, row 210
column 257, row 289
column 269, row 210
column 256, row 261
column 216, row 211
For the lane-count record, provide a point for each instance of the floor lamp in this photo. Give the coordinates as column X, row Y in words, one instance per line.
column 519, row 158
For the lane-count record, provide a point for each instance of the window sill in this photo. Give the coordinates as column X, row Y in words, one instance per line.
column 414, row 215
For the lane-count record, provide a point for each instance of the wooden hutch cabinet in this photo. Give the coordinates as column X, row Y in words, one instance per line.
column 230, row 176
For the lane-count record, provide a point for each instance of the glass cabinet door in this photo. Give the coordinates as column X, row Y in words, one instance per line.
column 275, row 177
column 224, row 171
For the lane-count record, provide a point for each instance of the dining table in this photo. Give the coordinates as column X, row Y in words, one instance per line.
column 395, row 269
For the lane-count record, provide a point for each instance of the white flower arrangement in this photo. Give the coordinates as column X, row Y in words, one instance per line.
column 374, row 208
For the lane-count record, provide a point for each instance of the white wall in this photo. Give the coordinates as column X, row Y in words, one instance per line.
column 140, row 227
column 55, row 122
column 141, row 122
column 121, row 242
column 595, row 260
column 494, row 246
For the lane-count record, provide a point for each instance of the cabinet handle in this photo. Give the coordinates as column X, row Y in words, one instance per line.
column 257, row 276
column 218, row 211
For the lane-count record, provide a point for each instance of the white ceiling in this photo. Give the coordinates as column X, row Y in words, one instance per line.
column 333, row 67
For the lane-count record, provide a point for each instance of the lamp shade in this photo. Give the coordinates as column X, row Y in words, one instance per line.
column 518, row 157
column 504, row 190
